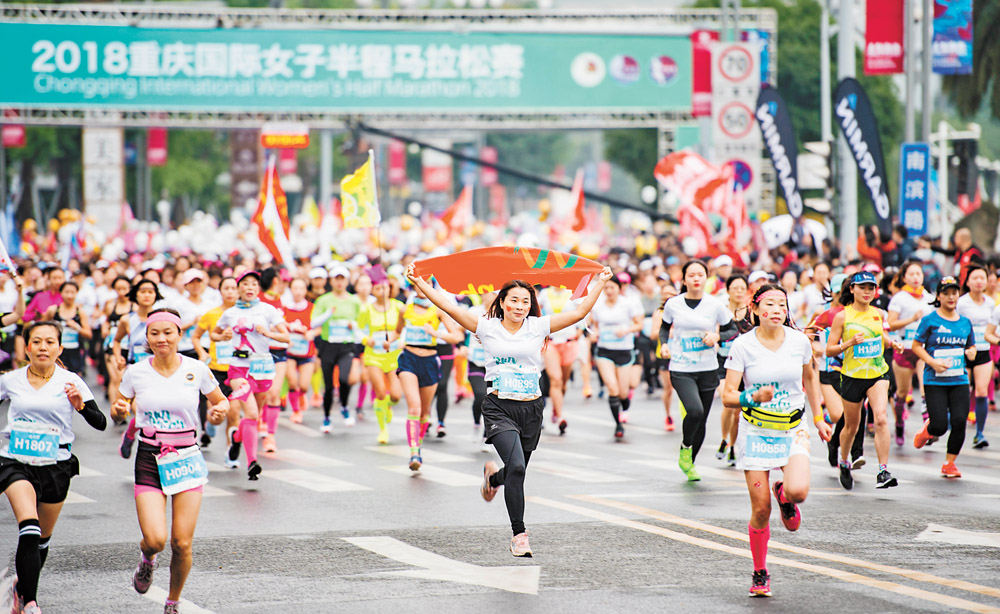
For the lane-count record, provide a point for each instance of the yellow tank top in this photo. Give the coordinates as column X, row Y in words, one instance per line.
column 864, row 360
column 413, row 331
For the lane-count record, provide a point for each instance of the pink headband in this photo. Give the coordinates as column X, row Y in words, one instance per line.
column 163, row 316
column 775, row 294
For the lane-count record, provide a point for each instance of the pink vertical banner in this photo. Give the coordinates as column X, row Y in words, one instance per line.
column 701, row 78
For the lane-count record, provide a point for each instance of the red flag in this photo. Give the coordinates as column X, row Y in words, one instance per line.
column 458, row 216
column 271, row 217
column 579, row 217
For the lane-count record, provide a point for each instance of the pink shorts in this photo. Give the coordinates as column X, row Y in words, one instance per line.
column 906, row 359
column 567, row 352
column 142, row 488
column 256, row 386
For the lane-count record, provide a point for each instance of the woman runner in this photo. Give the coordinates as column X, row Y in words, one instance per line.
column 858, row 333
column 337, row 313
column 218, row 356
column 693, row 324
column 560, row 353
column 301, row 349
column 906, row 309
column 736, row 288
column 477, row 373
column 512, row 334
column 378, row 322
column 114, row 311
column 75, row 328
column 945, row 340
column 144, row 294
column 775, row 364
column 978, row 308
column 615, row 320
column 164, row 390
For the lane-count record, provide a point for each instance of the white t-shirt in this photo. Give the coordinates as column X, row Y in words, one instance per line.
column 48, row 405
column 8, row 301
column 612, row 318
column 979, row 315
column 781, row 369
column 796, row 299
column 522, row 349
column 477, row 355
column 814, row 301
column 905, row 304
column 167, row 403
column 244, row 323
column 688, row 354
column 191, row 312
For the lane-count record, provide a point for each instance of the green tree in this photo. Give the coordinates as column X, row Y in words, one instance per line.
column 531, row 151
column 969, row 92
column 47, row 149
column 196, row 159
column 634, row 151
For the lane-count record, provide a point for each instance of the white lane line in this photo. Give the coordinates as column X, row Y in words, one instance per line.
column 301, row 429
column 932, row 471
column 306, row 459
column 548, row 451
column 714, row 473
column 215, row 467
column 958, row 537
column 87, row 472
column 312, row 481
column 72, row 497
column 158, row 595
column 577, row 474
column 211, row 491
column 432, row 456
column 607, row 423
column 437, row 474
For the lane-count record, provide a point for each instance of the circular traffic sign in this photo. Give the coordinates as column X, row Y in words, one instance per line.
column 736, row 120
column 735, row 63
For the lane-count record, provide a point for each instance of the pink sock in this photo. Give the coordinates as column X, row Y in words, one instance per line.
column 371, row 394
column 758, row 546
column 130, row 430
column 248, row 435
column 271, row 414
column 295, row 397
column 413, row 435
column 423, row 430
column 362, row 393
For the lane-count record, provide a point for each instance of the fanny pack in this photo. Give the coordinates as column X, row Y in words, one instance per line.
column 776, row 421
column 172, row 439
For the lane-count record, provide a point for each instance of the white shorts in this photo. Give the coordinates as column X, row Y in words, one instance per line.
column 760, row 449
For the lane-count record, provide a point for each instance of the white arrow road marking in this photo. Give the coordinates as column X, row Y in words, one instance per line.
column 515, row 579
column 158, row 595
column 301, row 429
column 72, row 497
column 958, row 537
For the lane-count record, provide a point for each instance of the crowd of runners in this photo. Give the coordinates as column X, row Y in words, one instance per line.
column 192, row 354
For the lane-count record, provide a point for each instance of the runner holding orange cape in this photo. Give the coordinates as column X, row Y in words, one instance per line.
column 487, row 269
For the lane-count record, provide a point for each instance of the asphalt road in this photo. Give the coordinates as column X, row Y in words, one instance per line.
column 339, row 524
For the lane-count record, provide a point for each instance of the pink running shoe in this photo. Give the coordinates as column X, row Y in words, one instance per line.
column 487, row 491
column 761, row 586
column 790, row 515
column 142, row 579
column 669, row 424
column 31, row 608
column 519, row 545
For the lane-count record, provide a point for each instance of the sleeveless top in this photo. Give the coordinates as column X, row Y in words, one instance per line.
column 413, row 330
column 864, row 360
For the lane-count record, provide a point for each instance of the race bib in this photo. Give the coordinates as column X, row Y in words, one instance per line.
column 647, row 326
column 261, row 366
column 609, row 338
column 70, row 338
column 223, row 352
column 724, row 347
column 110, row 338
column 478, row 356
column 517, row 384
column 910, row 333
column 768, row 449
column 955, row 358
column 340, row 332
column 32, row 443
column 299, row 345
column 693, row 343
column 980, row 333
column 869, row 348
column 182, row 470
column 416, row 335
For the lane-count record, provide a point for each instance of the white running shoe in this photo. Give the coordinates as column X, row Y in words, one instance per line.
column 231, row 464
column 519, row 545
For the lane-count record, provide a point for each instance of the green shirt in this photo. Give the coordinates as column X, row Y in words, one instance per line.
column 345, row 314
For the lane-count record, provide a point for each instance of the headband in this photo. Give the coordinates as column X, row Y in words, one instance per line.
column 163, row 316
column 775, row 294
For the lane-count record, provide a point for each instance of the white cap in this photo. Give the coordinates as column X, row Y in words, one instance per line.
column 722, row 261
column 318, row 272
column 340, row 271
column 360, row 260
column 757, row 276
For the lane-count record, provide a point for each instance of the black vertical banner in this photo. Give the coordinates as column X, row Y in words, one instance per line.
column 779, row 138
column 854, row 114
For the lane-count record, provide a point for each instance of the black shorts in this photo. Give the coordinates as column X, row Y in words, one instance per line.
column 221, row 377
column 301, row 360
column 74, row 360
column 621, row 358
column 663, row 364
column 525, row 417
column 830, row 378
column 333, row 352
column 982, row 357
column 279, row 355
column 426, row 368
column 855, row 390
column 446, row 351
column 147, row 473
column 51, row 482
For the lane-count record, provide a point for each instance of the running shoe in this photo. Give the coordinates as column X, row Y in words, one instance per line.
column 415, row 463
column 127, row 442
column 316, row 400
column 253, row 470
column 562, row 427
column 670, row 424
column 686, row 464
column 230, row 463
column 721, row 452
column 383, row 435
column 790, row 515
column 441, row 431
column 348, row 418
column 761, row 585
column 326, row 426
column 269, row 444
column 623, row 416
column 858, row 463
column 486, row 448
column 554, row 418
column 949, row 470
column 832, row 448
column 731, row 461
column 972, row 418
column 296, row 417
column 900, row 440
column 846, row 479
column 17, row 603
column 31, row 608
column 171, row 608
column 979, row 442
column 909, row 399
column 206, row 439
column 922, row 438
column 885, row 480
column 361, row 414
column 587, row 393
column 619, row 431
column 487, row 491
column 600, row 393
column 519, row 545
column 142, row 579
column 235, row 446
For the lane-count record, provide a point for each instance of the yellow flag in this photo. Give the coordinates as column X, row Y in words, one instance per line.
column 359, row 197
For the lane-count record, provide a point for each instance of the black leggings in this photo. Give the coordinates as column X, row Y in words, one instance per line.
column 647, row 351
column 478, row 383
column 942, row 400
column 442, row 389
column 340, row 355
column 694, row 392
column 511, row 476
